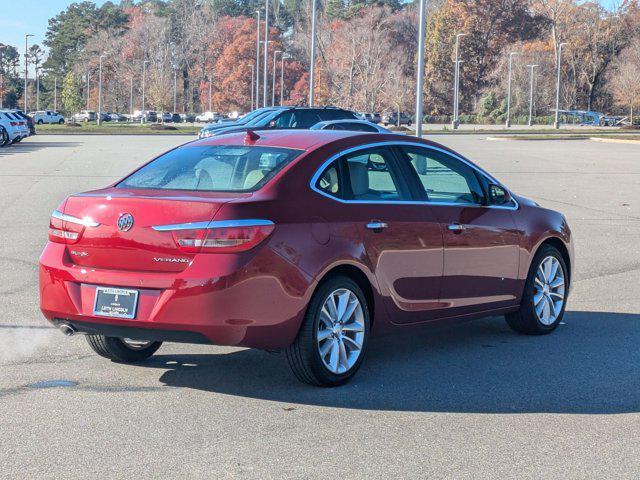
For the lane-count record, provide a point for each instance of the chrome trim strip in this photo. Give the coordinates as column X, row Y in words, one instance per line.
column 87, row 222
column 488, row 176
column 213, row 224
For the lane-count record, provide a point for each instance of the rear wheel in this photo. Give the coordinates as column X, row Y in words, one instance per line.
column 61, row 121
column 545, row 294
column 4, row 137
column 123, row 350
column 40, row 122
column 333, row 338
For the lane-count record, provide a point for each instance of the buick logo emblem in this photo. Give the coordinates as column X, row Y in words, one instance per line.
column 125, row 222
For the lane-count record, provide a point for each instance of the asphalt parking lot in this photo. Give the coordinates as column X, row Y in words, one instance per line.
column 471, row 401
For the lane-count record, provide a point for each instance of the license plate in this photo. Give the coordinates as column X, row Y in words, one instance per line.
column 115, row 302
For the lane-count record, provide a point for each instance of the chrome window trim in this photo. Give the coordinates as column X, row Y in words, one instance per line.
column 87, row 222
column 486, row 175
column 250, row 222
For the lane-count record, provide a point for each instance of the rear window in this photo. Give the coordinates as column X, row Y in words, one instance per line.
column 218, row 168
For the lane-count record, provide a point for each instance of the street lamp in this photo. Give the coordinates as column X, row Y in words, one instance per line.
column 508, row 122
column 420, row 74
column 100, row 89
column 144, row 75
column 285, row 55
column 88, row 92
column 456, row 82
column 556, row 123
column 266, row 51
column 175, row 90
column 312, row 70
column 55, row 94
column 131, row 98
column 2, row 47
column 273, row 79
column 210, row 90
column 253, row 69
column 532, row 67
column 37, row 87
column 26, row 68
column 258, row 61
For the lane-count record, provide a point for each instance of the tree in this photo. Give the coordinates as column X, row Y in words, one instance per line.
column 625, row 78
column 72, row 100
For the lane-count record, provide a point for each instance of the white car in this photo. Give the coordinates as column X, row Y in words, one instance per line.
column 11, row 130
column 208, row 117
column 351, row 125
column 46, row 116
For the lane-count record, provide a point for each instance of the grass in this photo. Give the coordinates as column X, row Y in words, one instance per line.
column 116, row 128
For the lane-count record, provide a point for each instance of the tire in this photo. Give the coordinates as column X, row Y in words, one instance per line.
column 118, row 350
column 61, row 121
column 304, row 355
column 529, row 319
column 4, row 137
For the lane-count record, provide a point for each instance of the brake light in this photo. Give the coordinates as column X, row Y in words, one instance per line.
column 67, row 228
column 14, row 124
column 227, row 239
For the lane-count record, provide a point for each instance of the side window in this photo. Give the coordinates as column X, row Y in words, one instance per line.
column 359, row 127
column 372, row 178
column 329, row 181
column 444, row 178
column 307, row 118
column 285, row 120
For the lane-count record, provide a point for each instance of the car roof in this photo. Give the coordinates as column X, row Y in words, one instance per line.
column 308, row 139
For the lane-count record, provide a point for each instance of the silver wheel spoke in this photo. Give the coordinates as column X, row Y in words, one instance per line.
column 343, row 360
column 557, row 295
column 548, row 299
column 324, row 349
column 343, row 302
column 558, row 282
column 334, row 357
column 537, row 297
column 353, row 304
column 324, row 334
column 353, row 327
column 353, row 344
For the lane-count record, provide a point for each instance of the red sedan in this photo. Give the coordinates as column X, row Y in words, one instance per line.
column 303, row 241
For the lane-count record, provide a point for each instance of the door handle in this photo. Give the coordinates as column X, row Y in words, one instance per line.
column 376, row 225
column 456, row 227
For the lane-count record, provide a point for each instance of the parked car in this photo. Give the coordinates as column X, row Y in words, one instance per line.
column 30, row 123
column 85, row 116
column 209, row 128
column 10, row 130
column 46, row 116
column 392, row 119
column 147, row 116
column 352, row 125
column 208, row 117
column 165, row 117
column 202, row 245
column 176, row 118
column 117, row 117
column 289, row 118
column 371, row 117
column 18, row 124
column 188, row 117
column 104, row 116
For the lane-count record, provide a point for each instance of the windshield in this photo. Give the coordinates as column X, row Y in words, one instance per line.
column 217, row 168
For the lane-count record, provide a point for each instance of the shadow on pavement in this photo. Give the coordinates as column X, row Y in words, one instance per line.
column 589, row 365
column 32, row 146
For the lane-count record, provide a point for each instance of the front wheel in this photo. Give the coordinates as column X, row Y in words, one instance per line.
column 123, row 350
column 333, row 337
column 545, row 294
column 61, row 121
column 4, row 137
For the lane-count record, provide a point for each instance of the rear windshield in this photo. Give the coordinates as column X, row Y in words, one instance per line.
column 217, row 168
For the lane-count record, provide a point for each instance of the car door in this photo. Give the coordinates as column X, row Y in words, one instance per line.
column 401, row 238
column 481, row 241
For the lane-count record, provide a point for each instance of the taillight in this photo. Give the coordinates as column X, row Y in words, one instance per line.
column 14, row 124
column 67, row 228
column 233, row 238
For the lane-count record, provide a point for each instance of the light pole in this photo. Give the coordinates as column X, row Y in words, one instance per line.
column 87, row 105
column 100, row 89
column 284, row 55
column 273, row 79
column 532, row 67
column 2, row 47
column 253, row 72
column 456, row 82
column 144, row 75
column 420, row 70
column 556, row 123
column 55, row 94
column 266, row 51
column 257, row 99
column 131, row 98
column 508, row 121
column 210, row 89
column 312, row 69
column 26, row 68
column 37, row 88
column 175, row 90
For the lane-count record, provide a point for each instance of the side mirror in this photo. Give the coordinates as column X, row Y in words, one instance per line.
column 498, row 195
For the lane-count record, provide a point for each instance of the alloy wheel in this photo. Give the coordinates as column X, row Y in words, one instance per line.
column 341, row 331
column 549, row 296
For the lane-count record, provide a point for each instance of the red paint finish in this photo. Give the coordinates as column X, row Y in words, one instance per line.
column 416, row 270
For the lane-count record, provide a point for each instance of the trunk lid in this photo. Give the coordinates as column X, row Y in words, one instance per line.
column 140, row 248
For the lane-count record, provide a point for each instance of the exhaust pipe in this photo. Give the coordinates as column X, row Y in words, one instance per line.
column 67, row 330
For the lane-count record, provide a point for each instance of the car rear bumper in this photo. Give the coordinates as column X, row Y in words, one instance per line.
column 257, row 301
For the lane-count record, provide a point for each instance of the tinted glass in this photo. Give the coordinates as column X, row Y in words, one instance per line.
column 357, row 127
column 212, row 168
column 307, row 118
column 371, row 177
column 444, row 178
